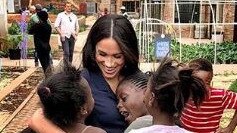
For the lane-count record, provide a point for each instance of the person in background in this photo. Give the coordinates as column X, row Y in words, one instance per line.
column 41, row 32
column 105, row 12
column 123, row 12
column 34, row 19
column 67, row 26
column 66, row 92
column 32, row 10
column 130, row 93
column 168, row 90
column 50, row 7
column 207, row 117
column 109, row 55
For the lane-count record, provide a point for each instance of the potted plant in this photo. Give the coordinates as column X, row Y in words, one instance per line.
column 4, row 46
column 14, row 51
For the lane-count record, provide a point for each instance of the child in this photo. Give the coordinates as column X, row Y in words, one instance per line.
column 168, row 91
column 207, row 117
column 130, row 93
column 66, row 101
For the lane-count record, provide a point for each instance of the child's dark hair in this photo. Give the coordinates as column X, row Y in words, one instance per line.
column 43, row 16
column 201, row 64
column 139, row 80
column 172, row 87
column 62, row 96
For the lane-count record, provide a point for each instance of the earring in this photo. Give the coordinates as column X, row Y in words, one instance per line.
column 125, row 66
column 84, row 112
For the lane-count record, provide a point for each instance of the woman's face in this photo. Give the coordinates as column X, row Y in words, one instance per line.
column 130, row 104
column 109, row 58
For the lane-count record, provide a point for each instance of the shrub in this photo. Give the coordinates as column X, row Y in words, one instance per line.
column 14, row 41
column 226, row 52
column 233, row 86
column 4, row 46
column 82, row 28
column 14, row 29
column 9, row 42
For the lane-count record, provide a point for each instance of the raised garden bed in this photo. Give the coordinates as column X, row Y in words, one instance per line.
column 7, row 74
column 13, row 99
column 11, row 102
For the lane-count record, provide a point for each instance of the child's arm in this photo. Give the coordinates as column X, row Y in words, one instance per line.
column 40, row 124
column 231, row 127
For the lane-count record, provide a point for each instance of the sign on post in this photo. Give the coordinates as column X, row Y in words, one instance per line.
column 162, row 46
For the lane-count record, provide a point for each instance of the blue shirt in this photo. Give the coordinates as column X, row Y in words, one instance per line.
column 105, row 113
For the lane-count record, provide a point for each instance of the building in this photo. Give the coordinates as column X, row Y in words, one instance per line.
column 195, row 18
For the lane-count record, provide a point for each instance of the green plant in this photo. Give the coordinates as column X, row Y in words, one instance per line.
column 14, row 29
column 4, row 46
column 226, row 51
column 233, row 86
column 82, row 28
column 14, row 41
column 9, row 42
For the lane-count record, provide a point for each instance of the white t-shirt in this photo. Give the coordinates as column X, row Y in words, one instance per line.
column 68, row 23
column 160, row 129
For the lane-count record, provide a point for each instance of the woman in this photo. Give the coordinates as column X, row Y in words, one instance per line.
column 109, row 55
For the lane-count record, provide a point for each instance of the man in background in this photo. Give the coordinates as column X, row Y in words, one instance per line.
column 123, row 11
column 67, row 26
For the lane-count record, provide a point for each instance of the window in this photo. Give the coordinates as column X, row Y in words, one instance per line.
column 91, row 7
column 189, row 12
column 219, row 13
column 131, row 6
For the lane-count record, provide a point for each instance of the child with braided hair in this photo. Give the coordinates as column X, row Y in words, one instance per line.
column 169, row 88
column 66, row 101
column 130, row 93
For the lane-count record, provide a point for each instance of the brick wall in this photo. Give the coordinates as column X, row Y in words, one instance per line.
column 229, row 29
column 188, row 31
column 168, row 11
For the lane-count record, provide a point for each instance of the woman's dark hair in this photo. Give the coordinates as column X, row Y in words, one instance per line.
column 62, row 96
column 139, row 80
column 121, row 30
column 201, row 64
column 172, row 87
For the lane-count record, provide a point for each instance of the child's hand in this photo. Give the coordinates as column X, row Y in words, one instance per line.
column 224, row 130
column 39, row 123
column 35, row 118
